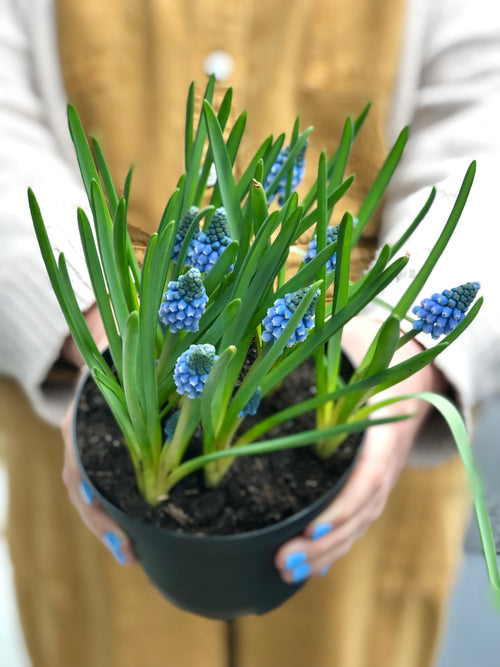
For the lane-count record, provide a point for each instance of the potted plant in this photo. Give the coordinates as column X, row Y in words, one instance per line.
column 207, row 337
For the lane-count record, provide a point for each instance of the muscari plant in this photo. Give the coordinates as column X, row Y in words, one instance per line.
column 212, row 293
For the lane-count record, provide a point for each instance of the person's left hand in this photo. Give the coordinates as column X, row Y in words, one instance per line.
column 380, row 463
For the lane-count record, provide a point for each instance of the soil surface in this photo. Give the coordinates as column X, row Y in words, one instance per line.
column 256, row 492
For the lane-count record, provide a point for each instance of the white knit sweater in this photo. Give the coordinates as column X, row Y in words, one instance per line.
column 448, row 91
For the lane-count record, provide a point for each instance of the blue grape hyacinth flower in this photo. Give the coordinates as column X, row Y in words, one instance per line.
column 209, row 245
column 180, row 235
column 253, row 404
column 332, row 234
column 443, row 311
column 184, row 302
column 297, row 175
column 192, row 369
column 279, row 314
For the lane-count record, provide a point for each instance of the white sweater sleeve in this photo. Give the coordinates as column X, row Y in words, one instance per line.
column 450, row 96
column 34, row 153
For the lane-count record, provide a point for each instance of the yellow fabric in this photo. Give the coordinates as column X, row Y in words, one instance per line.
column 127, row 66
column 380, row 606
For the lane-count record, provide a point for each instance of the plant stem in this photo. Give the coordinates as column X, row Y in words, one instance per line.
column 165, row 353
column 172, row 454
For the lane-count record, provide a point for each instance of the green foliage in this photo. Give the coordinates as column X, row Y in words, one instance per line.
column 246, row 279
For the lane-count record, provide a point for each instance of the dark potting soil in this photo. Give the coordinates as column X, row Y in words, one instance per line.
column 257, row 490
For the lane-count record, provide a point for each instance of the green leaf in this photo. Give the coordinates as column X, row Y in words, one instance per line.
column 222, row 116
column 188, row 131
column 121, row 250
column 115, row 398
column 409, row 231
column 321, row 240
column 131, row 378
column 210, row 405
column 418, row 282
column 195, row 154
column 221, row 267
column 224, row 169
column 249, row 173
column 107, row 181
column 64, row 292
column 154, row 270
column 460, row 435
column 276, row 444
column 100, row 291
column 336, row 174
column 104, row 233
column 335, row 196
column 233, row 144
column 83, row 152
column 289, row 162
column 378, row 188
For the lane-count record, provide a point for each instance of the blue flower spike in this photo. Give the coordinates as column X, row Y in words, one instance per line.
column 171, row 425
column 253, row 404
column 180, row 235
column 184, row 302
column 332, row 234
column 297, row 176
column 280, row 313
column 441, row 313
column 209, row 245
column 192, row 369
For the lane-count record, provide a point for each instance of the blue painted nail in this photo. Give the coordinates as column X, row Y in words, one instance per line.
column 301, row 572
column 324, row 571
column 86, row 492
column 297, row 558
column 113, row 542
column 321, row 529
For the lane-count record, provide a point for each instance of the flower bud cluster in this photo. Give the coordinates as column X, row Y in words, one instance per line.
column 297, row 175
column 443, row 311
column 180, row 235
column 184, row 302
column 281, row 312
column 192, row 369
column 208, row 245
column 332, row 234
column 253, row 404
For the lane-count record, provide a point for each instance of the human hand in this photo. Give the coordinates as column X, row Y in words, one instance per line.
column 95, row 518
column 377, row 470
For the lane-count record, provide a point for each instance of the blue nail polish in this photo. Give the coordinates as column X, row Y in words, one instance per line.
column 321, row 529
column 114, row 544
column 324, row 571
column 301, row 572
column 294, row 559
column 86, row 492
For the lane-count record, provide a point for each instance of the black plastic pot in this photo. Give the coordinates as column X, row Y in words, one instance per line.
column 220, row 577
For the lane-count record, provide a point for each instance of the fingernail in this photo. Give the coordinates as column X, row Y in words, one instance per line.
column 321, row 529
column 113, row 542
column 301, row 572
column 324, row 571
column 294, row 559
column 86, row 492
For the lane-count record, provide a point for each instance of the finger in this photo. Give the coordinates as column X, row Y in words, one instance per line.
column 104, row 527
column 317, row 564
column 308, row 556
